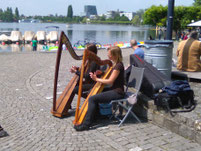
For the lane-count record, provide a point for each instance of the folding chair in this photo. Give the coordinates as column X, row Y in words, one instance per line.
column 135, row 80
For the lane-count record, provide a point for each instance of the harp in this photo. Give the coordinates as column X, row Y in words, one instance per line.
column 62, row 104
column 98, row 87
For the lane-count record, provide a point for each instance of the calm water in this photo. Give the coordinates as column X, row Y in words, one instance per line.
column 104, row 34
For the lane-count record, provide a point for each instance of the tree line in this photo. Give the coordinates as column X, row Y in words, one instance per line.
column 8, row 15
column 155, row 15
column 183, row 15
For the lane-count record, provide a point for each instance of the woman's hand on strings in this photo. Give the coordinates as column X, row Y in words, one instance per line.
column 73, row 69
column 98, row 72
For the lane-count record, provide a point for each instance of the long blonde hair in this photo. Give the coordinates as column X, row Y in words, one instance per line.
column 116, row 52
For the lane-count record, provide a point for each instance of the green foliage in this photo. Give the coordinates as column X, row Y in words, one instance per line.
column 140, row 13
column 123, row 18
column 84, row 20
column 136, row 20
column 16, row 16
column 197, row 3
column 70, row 12
column 102, row 18
column 183, row 15
column 155, row 15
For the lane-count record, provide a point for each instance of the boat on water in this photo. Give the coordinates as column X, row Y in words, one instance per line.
column 69, row 25
column 16, row 36
column 7, row 33
column 28, row 36
column 52, row 36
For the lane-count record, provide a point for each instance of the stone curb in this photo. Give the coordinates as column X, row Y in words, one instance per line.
column 183, row 126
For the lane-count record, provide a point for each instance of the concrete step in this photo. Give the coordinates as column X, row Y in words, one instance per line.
column 186, row 124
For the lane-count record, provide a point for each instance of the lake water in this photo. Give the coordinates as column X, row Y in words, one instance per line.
column 103, row 34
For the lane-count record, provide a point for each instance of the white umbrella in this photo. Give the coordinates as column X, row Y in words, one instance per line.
column 195, row 24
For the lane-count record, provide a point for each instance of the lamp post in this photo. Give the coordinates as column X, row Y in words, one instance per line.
column 170, row 19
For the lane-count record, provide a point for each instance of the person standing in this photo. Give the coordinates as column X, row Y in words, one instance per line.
column 189, row 53
column 138, row 51
column 34, row 44
column 116, row 91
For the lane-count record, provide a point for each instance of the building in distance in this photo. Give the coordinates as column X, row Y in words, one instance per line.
column 90, row 10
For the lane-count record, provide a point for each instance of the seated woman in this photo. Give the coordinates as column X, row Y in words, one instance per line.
column 88, row 83
column 116, row 91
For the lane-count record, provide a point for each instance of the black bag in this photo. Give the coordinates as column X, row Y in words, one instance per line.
column 177, row 95
column 153, row 79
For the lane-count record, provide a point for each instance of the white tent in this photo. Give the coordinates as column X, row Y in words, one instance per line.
column 195, row 24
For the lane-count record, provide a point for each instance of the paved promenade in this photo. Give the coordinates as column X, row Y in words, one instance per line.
column 26, row 87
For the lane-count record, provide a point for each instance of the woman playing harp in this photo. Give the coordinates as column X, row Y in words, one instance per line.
column 91, row 67
column 116, row 91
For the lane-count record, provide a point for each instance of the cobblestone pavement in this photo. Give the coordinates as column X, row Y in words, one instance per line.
column 26, row 87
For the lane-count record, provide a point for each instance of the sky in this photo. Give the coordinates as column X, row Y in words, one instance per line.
column 59, row 7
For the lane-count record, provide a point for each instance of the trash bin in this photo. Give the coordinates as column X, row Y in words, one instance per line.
column 159, row 54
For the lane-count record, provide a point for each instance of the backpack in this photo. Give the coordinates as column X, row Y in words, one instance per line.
column 105, row 109
column 177, row 95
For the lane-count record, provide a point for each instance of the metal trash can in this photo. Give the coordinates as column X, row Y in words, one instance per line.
column 159, row 54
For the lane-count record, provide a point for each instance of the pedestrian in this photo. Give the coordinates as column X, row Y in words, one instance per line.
column 137, row 50
column 34, row 44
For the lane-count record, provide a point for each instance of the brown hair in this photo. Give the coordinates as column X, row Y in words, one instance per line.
column 133, row 42
column 92, row 48
column 194, row 35
column 116, row 52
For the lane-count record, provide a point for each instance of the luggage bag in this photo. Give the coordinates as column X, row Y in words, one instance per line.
column 153, row 79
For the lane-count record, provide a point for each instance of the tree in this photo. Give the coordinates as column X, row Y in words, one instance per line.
column 124, row 18
column 136, row 20
column 197, row 3
column 140, row 13
column 8, row 15
column 155, row 15
column 16, row 16
column 70, row 12
column 102, row 18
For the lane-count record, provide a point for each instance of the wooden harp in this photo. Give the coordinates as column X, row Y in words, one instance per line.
column 98, row 87
column 62, row 104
